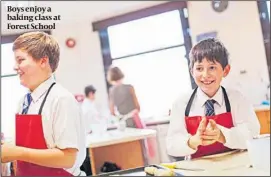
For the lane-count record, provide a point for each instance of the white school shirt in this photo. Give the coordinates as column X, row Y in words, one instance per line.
column 245, row 121
column 63, row 124
column 90, row 113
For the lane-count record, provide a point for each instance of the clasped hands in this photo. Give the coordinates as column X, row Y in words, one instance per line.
column 206, row 134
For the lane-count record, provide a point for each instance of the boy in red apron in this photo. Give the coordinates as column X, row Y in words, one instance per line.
column 50, row 137
column 212, row 119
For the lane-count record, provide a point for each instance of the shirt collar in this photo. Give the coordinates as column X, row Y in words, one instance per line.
column 202, row 97
column 42, row 88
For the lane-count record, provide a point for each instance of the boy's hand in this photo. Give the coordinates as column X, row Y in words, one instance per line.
column 9, row 152
column 212, row 134
column 196, row 139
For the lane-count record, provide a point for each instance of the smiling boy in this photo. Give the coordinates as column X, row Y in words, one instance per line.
column 50, row 134
column 212, row 119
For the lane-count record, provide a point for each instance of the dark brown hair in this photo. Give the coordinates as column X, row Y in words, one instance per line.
column 90, row 89
column 211, row 49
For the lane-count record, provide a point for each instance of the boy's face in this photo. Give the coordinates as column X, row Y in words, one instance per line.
column 208, row 75
column 30, row 71
column 91, row 96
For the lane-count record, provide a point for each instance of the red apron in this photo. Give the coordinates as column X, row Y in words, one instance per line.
column 192, row 123
column 29, row 133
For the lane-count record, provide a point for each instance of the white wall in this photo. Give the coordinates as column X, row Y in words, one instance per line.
column 82, row 65
column 239, row 29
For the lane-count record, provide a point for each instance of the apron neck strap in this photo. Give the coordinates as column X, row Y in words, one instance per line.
column 227, row 102
column 43, row 102
column 187, row 109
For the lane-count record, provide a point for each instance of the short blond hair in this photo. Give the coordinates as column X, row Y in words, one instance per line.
column 39, row 45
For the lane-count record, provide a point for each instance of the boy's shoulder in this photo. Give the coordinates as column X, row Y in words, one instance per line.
column 232, row 92
column 235, row 95
column 58, row 91
column 183, row 98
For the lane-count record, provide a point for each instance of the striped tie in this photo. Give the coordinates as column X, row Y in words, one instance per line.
column 26, row 103
column 209, row 108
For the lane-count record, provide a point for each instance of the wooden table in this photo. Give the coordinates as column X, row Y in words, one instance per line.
column 123, row 148
column 234, row 164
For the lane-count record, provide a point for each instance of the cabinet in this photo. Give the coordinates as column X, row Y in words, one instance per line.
column 264, row 119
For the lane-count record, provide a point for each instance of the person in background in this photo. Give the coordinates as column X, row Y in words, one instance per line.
column 122, row 96
column 50, row 132
column 212, row 119
column 89, row 109
column 90, row 113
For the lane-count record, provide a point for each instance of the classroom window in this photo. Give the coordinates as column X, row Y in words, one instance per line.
column 150, row 33
column 153, row 54
column 7, row 60
column 158, row 78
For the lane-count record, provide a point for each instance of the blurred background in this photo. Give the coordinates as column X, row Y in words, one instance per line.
column 149, row 41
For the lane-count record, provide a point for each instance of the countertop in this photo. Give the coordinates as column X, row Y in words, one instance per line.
column 116, row 136
column 227, row 164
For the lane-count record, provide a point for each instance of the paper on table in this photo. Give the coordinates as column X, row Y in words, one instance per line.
column 226, row 161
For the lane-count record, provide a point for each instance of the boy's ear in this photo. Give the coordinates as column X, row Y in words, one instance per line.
column 44, row 61
column 226, row 70
column 191, row 70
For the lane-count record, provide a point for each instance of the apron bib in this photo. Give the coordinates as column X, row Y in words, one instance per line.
column 29, row 134
column 192, row 123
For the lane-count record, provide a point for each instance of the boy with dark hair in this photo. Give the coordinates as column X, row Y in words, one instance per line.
column 89, row 108
column 90, row 113
column 212, row 119
column 89, row 90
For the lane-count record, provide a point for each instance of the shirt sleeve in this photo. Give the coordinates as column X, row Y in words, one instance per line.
column 177, row 136
column 67, row 125
column 246, row 124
